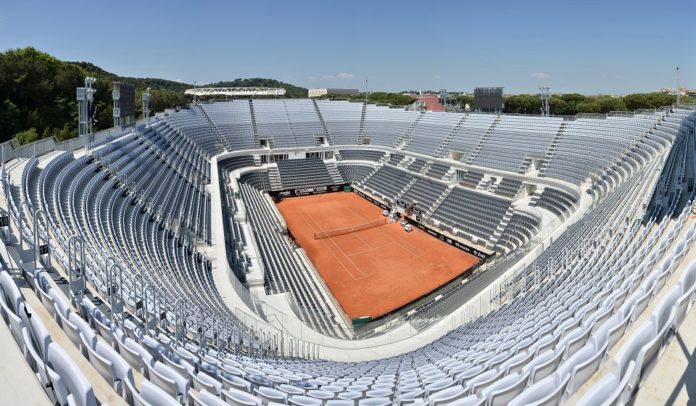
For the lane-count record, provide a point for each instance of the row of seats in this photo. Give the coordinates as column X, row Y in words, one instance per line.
column 303, row 173
column 471, row 214
column 556, row 201
column 530, row 136
column 355, row 173
column 388, row 182
column 508, row 188
column 481, row 139
column 564, row 312
column 284, row 272
column 361, row 155
column 518, row 232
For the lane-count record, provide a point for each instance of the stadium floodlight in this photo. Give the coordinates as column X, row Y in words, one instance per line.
column 147, row 98
column 85, row 99
column 545, row 95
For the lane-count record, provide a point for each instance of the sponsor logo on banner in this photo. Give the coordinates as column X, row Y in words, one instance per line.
column 307, row 191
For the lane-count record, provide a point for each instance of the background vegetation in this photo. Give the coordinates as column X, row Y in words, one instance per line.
column 573, row 103
column 37, row 96
column 394, row 99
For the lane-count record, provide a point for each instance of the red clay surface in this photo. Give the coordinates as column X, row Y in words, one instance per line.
column 374, row 271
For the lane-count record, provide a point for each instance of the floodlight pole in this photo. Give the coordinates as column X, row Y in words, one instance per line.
column 367, row 92
column 85, row 98
column 147, row 98
column 544, row 94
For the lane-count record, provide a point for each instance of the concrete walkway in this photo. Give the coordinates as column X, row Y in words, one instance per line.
column 673, row 381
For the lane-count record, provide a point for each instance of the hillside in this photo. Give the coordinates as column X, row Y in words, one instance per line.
column 37, row 94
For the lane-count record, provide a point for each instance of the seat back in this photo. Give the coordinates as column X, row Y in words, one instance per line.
column 154, row 395
column 77, row 385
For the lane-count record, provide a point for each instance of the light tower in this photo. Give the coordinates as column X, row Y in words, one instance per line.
column 147, row 97
column 85, row 99
column 544, row 94
column 443, row 98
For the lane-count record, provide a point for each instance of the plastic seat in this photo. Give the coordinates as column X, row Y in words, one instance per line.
column 505, row 389
column 237, row 397
column 340, row 402
column 446, row 396
column 380, row 393
column 110, row 365
column 300, row 400
column 438, row 386
column 203, row 381
column 375, row 402
column 271, row 395
column 471, row 400
column 136, row 356
column 320, row 394
column 602, row 392
column 291, row 389
column 152, row 395
column 73, row 387
column 208, row 399
column 168, row 380
column 549, row 390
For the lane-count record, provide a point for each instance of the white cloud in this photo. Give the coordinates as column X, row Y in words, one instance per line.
column 346, row 76
column 540, row 75
column 337, row 76
column 436, row 76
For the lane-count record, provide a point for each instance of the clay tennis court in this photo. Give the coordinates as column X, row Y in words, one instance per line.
column 373, row 271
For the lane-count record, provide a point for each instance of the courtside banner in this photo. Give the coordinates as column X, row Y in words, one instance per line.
column 371, row 200
column 450, row 241
column 308, row 191
column 434, row 233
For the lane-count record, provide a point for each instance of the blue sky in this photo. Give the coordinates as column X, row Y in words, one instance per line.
column 590, row 47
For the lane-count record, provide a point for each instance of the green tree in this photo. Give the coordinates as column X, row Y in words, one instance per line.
column 588, row 107
column 523, row 104
column 10, row 117
column 608, row 104
column 395, row 99
column 465, row 99
column 561, row 107
column 25, row 137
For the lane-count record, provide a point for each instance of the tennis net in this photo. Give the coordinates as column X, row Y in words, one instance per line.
column 347, row 230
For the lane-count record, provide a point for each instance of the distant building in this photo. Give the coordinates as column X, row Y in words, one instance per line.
column 322, row 92
column 683, row 91
column 427, row 102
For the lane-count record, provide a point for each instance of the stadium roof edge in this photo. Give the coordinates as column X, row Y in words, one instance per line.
column 236, row 91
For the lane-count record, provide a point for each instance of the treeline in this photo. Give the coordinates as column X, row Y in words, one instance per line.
column 394, row 99
column 574, row 103
column 37, row 95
